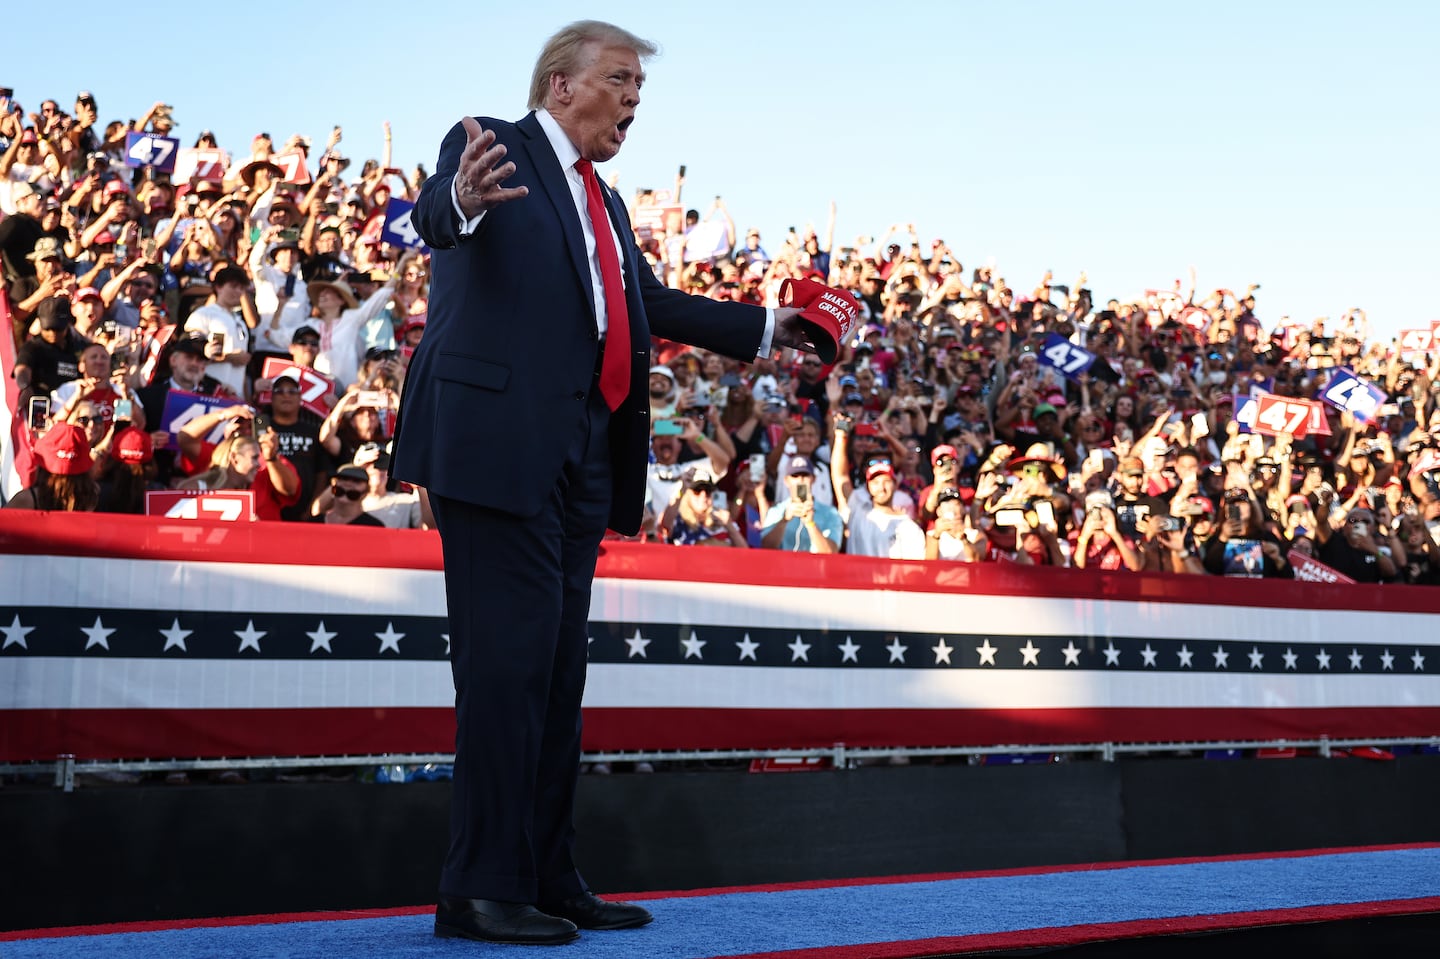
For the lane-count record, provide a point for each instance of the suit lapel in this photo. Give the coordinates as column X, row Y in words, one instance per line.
column 557, row 190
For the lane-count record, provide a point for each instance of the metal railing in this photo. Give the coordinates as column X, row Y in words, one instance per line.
column 66, row 767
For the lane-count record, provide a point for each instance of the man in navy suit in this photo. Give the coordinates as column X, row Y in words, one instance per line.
column 525, row 417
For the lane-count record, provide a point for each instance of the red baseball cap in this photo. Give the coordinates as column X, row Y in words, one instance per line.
column 64, row 450
column 944, row 449
column 86, row 293
column 876, row 469
column 133, row 445
column 116, row 186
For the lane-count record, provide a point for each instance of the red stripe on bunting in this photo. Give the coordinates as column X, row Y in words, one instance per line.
column 121, row 733
column 137, row 537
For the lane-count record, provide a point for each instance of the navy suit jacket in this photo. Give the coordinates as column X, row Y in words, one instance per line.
column 499, row 383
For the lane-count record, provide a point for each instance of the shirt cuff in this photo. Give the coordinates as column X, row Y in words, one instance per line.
column 764, row 350
column 467, row 227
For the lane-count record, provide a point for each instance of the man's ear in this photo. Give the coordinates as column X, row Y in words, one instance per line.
column 560, row 91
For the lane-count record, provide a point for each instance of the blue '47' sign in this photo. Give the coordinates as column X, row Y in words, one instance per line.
column 1353, row 395
column 151, row 149
column 398, row 230
column 1060, row 354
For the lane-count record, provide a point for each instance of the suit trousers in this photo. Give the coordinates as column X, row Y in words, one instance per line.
column 518, row 596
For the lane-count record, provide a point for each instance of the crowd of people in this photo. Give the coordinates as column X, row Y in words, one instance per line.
column 945, row 430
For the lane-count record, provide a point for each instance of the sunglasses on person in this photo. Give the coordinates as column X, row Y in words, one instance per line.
column 341, row 492
column 703, row 489
column 312, row 344
column 283, row 390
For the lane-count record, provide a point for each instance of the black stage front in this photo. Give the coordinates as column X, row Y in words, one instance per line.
column 122, row 853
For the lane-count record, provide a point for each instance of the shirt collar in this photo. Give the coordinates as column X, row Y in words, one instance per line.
column 565, row 151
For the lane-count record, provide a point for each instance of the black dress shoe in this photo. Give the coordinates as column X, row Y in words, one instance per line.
column 491, row 921
column 589, row 911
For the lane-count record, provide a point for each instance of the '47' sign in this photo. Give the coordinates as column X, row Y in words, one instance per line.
column 398, row 229
column 1282, row 414
column 152, row 150
column 1060, row 354
column 224, row 506
column 1354, row 395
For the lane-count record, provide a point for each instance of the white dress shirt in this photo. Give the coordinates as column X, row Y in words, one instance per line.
column 567, row 154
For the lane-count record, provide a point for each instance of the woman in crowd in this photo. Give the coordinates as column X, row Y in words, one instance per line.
column 355, row 421
column 126, row 472
column 338, row 317
column 62, row 474
column 693, row 520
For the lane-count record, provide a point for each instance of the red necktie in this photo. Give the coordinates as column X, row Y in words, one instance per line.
column 615, row 369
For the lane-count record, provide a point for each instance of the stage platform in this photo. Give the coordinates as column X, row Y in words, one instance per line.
column 152, row 852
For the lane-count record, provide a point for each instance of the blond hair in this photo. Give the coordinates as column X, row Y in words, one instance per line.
column 566, row 52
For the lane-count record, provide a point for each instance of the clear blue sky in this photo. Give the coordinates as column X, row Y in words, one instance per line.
column 1288, row 144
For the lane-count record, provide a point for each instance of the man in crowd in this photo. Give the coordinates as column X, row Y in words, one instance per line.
column 226, row 333
column 800, row 524
column 883, row 529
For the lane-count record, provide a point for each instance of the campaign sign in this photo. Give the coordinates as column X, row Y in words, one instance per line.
column 1281, row 414
column 398, row 230
column 152, row 150
column 293, row 167
column 1308, row 569
column 200, row 163
column 1348, row 392
column 1245, row 409
column 182, row 407
column 221, row 505
column 1060, row 354
column 313, row 386
column 1416, row 341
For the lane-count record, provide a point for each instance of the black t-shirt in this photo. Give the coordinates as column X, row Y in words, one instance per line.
column 300, row 444
column 18, row 234
column 1339, row 555
column 1130, row 511
column 52, row 364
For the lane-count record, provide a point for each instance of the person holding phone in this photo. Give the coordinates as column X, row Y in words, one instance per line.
column 800, row 524
column 227, row 335
column 1244, row 547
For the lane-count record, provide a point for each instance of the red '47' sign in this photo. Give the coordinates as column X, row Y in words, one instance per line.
column 313, row 386
column 1282, row 414
column 221, row 505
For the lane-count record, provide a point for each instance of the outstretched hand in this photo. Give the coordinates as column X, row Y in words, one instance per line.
column 477, row 181
column 789, row 331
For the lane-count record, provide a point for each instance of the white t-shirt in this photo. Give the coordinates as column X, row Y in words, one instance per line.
column 875, row 532
column 214, row 318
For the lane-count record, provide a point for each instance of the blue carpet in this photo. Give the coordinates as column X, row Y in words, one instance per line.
column 750, row 922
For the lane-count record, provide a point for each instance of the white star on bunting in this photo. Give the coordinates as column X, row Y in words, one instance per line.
column 97, row 635
column 446, row 637
column 637, row 644
column 849, row 651
column 1222, row 658
column 1029, row 654
column 250, row 636
column 1112, row 655
column 942, row 652
column 747, row 648
column 1323, row 658
column 1148, row 655
column 799, row 650
column 175, row 636
column 1290, row 658
column 1419, row 661
column 693, row 645
column 1257, row 658
column 390, row 639
column 1387, row 661
column 1185, row 656
column 897, row 652
column 1072, row 654
column 987, row 652
column 1355, row 658
column 15, row 633
column 320, row 638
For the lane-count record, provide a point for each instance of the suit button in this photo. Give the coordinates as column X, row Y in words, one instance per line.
column 579, row 394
